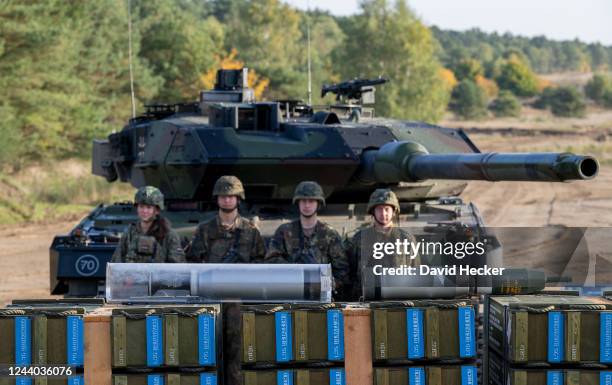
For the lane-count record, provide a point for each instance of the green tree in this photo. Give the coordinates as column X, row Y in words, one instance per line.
column 469, row 100
column 178, row 45
column 506, row 104
column 607, row 98
column 468, row 69
column 267, row 36
column 64, row 75
column 517, row 77
column 567, row 102
column 597, row 87
column 388, row 40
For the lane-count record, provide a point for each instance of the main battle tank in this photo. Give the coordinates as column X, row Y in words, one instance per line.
column 271, row 147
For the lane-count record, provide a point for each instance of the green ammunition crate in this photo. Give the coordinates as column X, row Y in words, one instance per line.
column 427, row 375
column 203, row 378
column 71, row 380
column 42, row 336
column 501, row 372
column 292, row 333
column 166, row 336
column 550, row 328
column 330, row 376
column 423, row 330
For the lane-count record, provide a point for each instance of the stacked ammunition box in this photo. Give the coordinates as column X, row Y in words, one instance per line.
column 42, row 336
column 434, row 341
column 427, row 375
column 164, row 340
column 304, row 376
column 560, row 335
column 501, row 372
column 296, row 341
column 204, row 378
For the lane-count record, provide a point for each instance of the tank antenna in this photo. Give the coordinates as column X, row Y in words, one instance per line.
column 308, row 50
column 129, row 6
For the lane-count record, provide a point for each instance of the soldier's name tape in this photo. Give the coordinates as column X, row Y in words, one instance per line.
column 446, row 270
column 156, row 328
column 28, row 326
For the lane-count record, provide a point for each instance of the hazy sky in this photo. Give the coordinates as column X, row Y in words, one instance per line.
column 588, row 20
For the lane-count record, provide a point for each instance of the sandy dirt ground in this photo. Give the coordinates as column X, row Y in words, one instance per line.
column 24, row 251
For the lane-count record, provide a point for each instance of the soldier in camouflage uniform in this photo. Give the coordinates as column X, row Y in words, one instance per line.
column 308, row 240
column 151, row 239
column 227, row 238
column 383, row 206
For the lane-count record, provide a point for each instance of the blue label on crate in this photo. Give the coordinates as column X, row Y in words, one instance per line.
column 556, row 334
column 155, row 379
column 206, row 339
column 605, row 337
column 467, row 344
column 416, row 376
column 414, row 331
column 605, row 378
column 336, row 376
column 554, row 377
column 208, row 379
column 74, row 340
column 23, row 341
column 154, row 341
column 335, row 335
column 284, row 350
column 75, row 380
column 23, row 380
column 284, row 377
column 469, row 376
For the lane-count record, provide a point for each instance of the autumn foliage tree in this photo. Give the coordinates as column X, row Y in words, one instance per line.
column 387, row 39
column 516, row 77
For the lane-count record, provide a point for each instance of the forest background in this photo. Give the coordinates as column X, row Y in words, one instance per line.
column 64, row 76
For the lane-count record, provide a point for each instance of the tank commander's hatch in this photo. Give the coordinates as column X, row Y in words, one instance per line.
column 246, row 117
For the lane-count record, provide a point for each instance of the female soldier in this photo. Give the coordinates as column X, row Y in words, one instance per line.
column 151, row 239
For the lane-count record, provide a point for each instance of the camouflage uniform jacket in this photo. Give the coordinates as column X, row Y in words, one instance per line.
column 363, row 242
column 135, row 246
column 324, row 245
column 213, row 243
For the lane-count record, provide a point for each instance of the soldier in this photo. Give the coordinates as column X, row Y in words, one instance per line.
column 227, row 238
column 383, row 206
column 308, row 240
column 151, row 239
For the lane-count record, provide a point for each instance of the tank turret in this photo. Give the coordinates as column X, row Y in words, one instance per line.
column 272, row 152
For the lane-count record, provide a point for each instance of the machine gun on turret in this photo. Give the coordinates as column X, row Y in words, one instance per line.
column 352, row 95
column 354, row 90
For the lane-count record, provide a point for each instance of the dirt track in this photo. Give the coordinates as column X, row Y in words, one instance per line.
column 24, row 260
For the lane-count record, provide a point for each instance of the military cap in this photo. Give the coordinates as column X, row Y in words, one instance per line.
column 149, row 195
column 383, row 196
column 228, row 185
column 309, row 190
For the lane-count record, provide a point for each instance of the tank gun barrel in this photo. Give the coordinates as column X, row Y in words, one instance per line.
column 409, row 161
